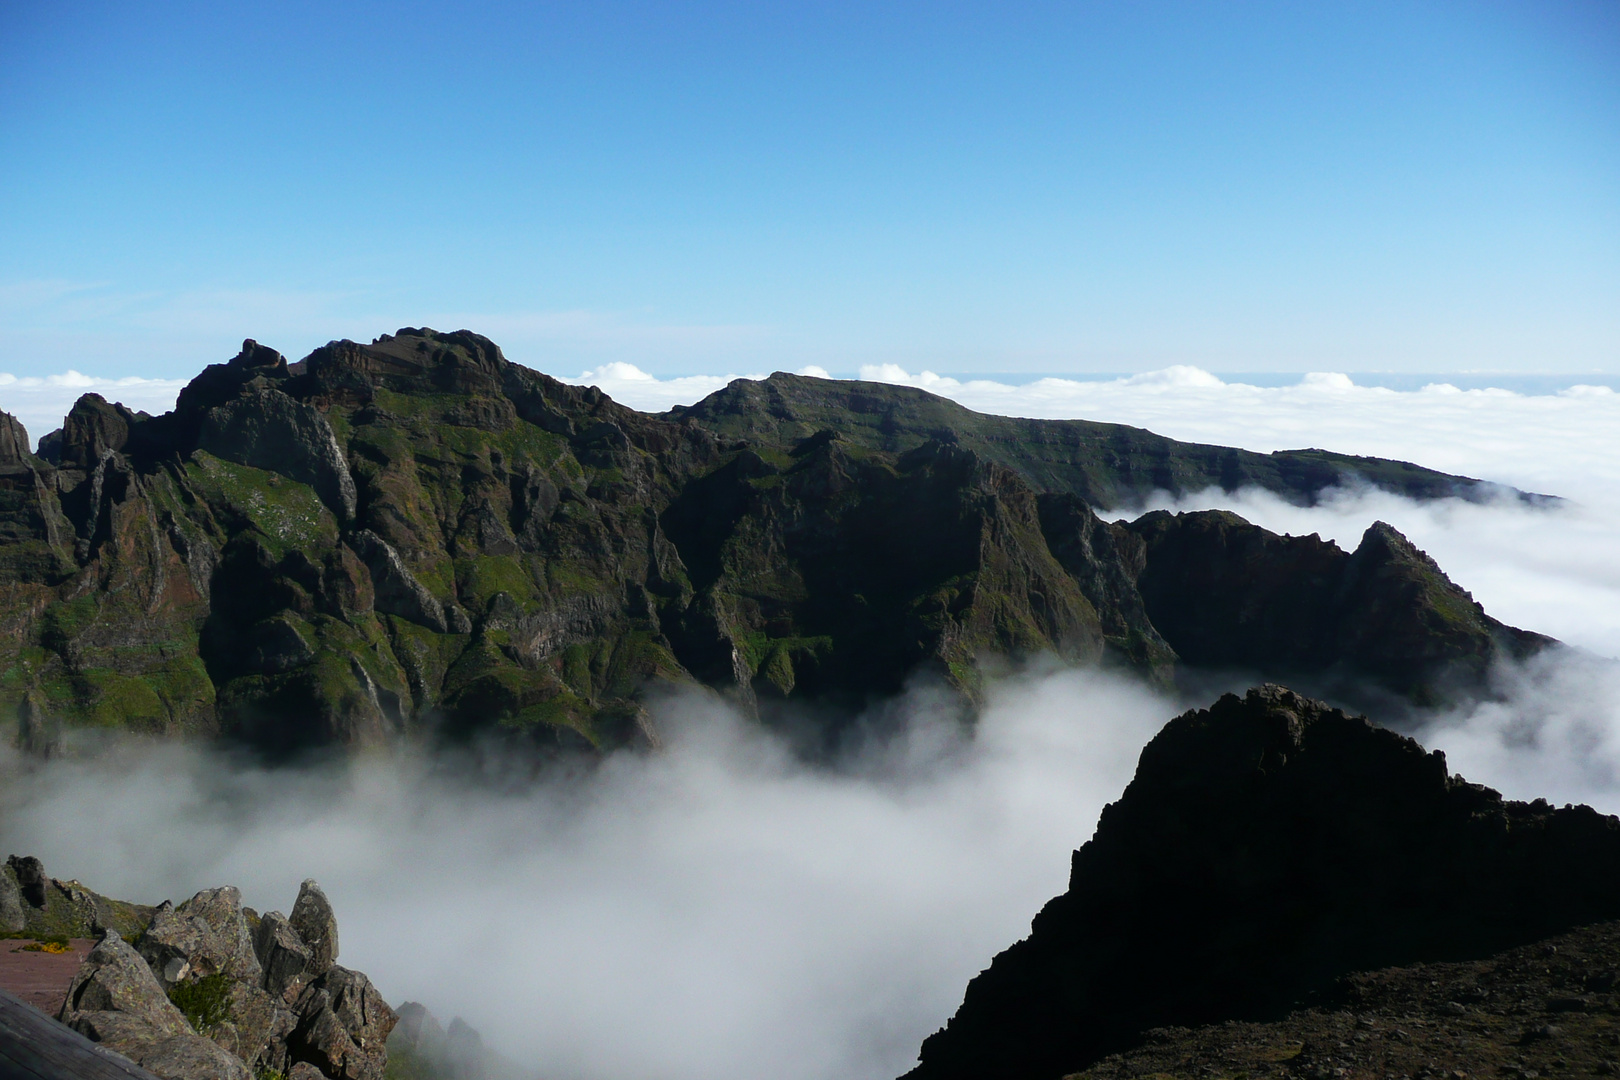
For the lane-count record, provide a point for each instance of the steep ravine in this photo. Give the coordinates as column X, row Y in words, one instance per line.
column 416, row 533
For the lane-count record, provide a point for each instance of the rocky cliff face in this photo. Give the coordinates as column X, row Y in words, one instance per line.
column 1266, row 846
column 1230, row 594
column 334, row 550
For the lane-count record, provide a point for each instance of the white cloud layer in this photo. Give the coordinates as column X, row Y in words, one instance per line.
column 1530, row 441
column 42, row 401
column 714, row 912
column 719, row 910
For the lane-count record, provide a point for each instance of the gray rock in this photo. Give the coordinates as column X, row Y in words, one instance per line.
column 204, row 936
column 12, row 916
column 222, row 910
column 305, row 1071
column 181, row 1056
column 116, row 1030
column 323, row 1040
column 257, row 1029
column 360, row 1008
column 316, row 926
column 189, row 1057
column 13, row 441
column 396, row 589
column 283, row 957
column 266, row 429
column 31, row 879
column 114, row 978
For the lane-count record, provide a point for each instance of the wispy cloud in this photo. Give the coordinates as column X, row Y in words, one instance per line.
column 41, row 402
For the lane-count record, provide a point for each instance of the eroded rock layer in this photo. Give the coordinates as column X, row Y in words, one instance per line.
column 334, row 550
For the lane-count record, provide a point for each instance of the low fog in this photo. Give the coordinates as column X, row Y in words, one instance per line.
column 716, row 910
column 721, row 910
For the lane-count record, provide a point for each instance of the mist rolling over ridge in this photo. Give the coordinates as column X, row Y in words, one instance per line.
column 968, row 544
column 722, row 909
column 717, row 909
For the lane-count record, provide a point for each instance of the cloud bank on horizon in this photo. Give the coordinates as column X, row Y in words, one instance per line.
column 1525, row 440
column 723, row 911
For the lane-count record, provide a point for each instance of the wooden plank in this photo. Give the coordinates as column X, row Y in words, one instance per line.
column 35, row 1047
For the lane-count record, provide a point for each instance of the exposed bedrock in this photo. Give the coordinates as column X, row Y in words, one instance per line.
column 416, row 532
column 215, row 991
column 1266, row 846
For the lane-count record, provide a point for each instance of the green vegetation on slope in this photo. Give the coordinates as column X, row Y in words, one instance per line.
column 417, row 532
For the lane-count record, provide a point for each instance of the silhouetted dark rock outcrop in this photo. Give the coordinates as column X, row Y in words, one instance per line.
column 1265, row 847
column 415, row 530
column 1226, row 593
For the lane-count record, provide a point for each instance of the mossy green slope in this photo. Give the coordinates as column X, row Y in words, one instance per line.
column 69, row 910
column 417, row 531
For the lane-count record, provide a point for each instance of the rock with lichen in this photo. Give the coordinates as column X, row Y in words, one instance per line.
column 207, row 994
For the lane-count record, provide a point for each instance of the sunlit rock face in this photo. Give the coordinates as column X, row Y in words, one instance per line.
column 214, row 992
column 1266, row 846
column 418, row 532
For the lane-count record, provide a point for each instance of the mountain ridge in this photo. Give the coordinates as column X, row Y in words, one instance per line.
column 417, row 532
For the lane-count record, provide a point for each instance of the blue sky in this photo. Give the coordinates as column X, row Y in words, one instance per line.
column 988, row 188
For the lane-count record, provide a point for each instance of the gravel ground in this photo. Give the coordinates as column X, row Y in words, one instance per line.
column 1545, row 1010
column 40, row 978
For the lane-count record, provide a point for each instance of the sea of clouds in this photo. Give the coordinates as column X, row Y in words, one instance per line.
column 722, row 910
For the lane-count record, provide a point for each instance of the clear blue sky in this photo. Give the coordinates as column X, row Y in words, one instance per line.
column 1071, row 187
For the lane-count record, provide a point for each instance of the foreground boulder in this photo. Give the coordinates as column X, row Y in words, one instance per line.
column 117, row 1001
column 211, row 994
column 1266, row 846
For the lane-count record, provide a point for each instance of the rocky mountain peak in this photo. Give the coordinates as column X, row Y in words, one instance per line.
column 260, row 359
column 14, row 445
column 93, row 429
column 1267, row 845
column 417, row 531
